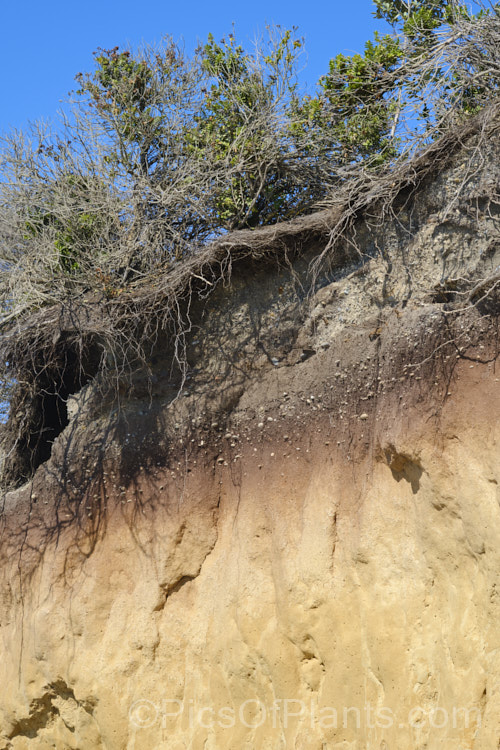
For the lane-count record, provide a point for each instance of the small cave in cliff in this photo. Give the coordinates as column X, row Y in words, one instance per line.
column 38, row 409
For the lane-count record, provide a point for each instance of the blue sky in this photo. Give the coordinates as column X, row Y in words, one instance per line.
column 43, row 45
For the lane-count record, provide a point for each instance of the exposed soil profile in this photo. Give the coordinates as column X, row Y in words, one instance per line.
column 289, row 536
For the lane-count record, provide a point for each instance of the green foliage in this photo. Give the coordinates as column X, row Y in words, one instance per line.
column 418, row 20
column 413, row 14
column 123, row 93
column 357, row 101
column 234, row 129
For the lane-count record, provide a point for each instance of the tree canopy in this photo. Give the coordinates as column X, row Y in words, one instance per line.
column 161, row 152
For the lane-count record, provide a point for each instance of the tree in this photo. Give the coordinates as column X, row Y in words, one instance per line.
column 242, row 127
column 163, row 152
column 189, row 148
column 218, row 120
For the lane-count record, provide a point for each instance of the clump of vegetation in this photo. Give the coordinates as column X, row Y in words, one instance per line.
column 165, row 164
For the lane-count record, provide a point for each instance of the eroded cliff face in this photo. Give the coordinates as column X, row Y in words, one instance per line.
column 300, row 548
